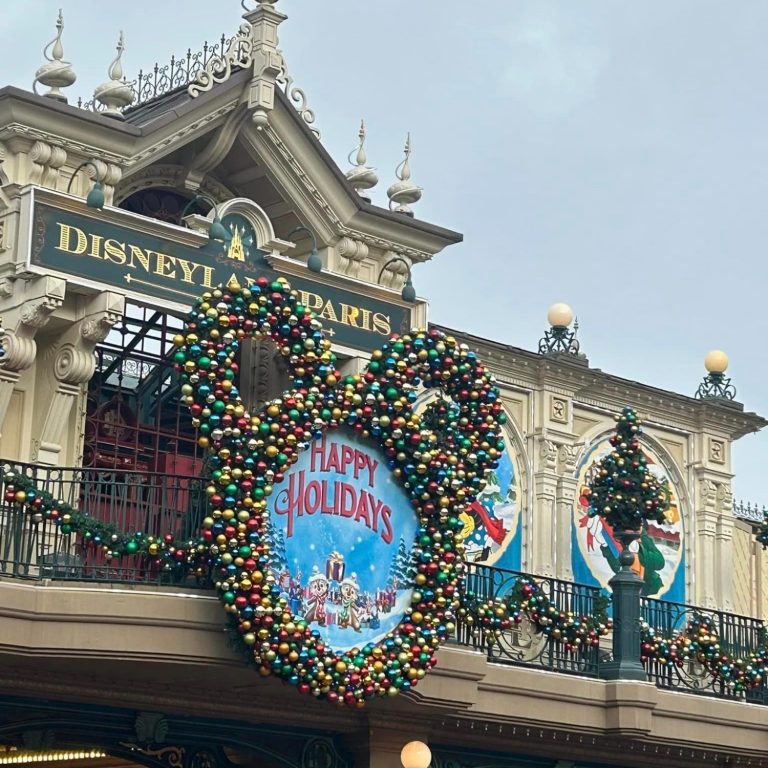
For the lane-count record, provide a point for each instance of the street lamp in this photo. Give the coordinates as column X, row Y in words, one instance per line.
column 560, row 337
column 415, row 754
column 315, row 261
column 409, row 292
column 715, row 384
column 95, row 197
column 216, row 231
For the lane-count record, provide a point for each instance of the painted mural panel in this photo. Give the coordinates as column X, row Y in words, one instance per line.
column 659, row 554
column 341, row 535
column 492, row 522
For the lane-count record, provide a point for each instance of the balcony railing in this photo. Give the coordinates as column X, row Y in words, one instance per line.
column 154, row 503
column 161, row 504
column 523, row 642
column 737, row 636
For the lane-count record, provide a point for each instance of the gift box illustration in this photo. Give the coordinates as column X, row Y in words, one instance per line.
column 334, row 567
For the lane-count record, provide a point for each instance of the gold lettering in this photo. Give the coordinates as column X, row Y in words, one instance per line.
column 187, row 269
column 382, row 324
column 65, row 232
column 328, row 312
column 349, row 315
column 366, row 319
column 138, row 254
column 208, row 279
column 312, row 301
column 164, row 262
column 114, row 251
column 95, row 246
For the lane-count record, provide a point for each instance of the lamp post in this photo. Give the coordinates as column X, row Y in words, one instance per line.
column 95, row 197
column 716, row 386
column 415, row 754
column 560, row 338
column 409, row 292
column 216, row 231
column 315, row 261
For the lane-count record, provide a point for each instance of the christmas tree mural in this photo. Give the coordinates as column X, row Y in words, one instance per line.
column 276, row 541
column 401, row 570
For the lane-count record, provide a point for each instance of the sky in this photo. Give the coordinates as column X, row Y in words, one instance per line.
column 611, row 155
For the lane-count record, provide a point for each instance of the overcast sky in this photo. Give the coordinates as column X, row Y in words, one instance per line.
column 608, row 154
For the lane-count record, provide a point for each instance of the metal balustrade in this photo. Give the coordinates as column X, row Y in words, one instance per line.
column 738, row 636
column 151, row 502
column 524, row 643
column 159, row 503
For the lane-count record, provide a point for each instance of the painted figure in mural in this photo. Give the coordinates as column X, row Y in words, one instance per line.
column 318, row 594
column 648, row 559
column 488, row 520
column 349, row 616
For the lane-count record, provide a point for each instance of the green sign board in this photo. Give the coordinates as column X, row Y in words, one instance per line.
column 113, row 251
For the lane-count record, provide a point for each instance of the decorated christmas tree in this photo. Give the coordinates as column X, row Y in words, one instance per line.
column 624, row 492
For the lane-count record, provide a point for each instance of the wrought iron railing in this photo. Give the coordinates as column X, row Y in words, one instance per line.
column 751, row 513
column 154, row 503
column 738, row 637
column 523, row 643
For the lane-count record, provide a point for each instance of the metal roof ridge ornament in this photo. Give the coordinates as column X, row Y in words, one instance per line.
column 55, row 73
column 296, row 96
column 115, row 94
column 404, row 193
column 360, row 176
column 218, row 69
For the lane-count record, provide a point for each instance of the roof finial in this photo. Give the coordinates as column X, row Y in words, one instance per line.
column 361, row 177
column 56, row 73
column 403, row 193
column 115, row 94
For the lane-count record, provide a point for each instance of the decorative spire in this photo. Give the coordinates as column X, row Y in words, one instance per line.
column 115, row 94
column 361, row 177
column 56, row 73
column 403, row 193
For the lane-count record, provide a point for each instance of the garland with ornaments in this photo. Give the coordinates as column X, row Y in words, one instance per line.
column 526, row 599
column 699, row 642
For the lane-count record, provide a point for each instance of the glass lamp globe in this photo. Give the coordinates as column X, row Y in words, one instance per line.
column 560, row 315
column 716, row 361
column 416, row 754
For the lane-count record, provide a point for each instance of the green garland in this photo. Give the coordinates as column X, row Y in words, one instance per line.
column 490, row 618
column 165, row 552
column 699, row 642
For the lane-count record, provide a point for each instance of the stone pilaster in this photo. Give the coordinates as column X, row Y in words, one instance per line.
column 706, row 543
column 544, row 529
column 66, row 366
column 724, row 544
column 27, row 307
column 567, row 490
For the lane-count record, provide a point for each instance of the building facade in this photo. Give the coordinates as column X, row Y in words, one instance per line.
column 109, row 216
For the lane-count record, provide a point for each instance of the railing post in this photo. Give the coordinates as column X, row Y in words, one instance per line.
column 626, row 586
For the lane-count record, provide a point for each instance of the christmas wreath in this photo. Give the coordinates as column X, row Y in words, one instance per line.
column 440, row 458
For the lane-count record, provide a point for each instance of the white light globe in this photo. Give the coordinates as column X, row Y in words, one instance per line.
column 416, row 754
column 560, row 315
column 716, row 361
